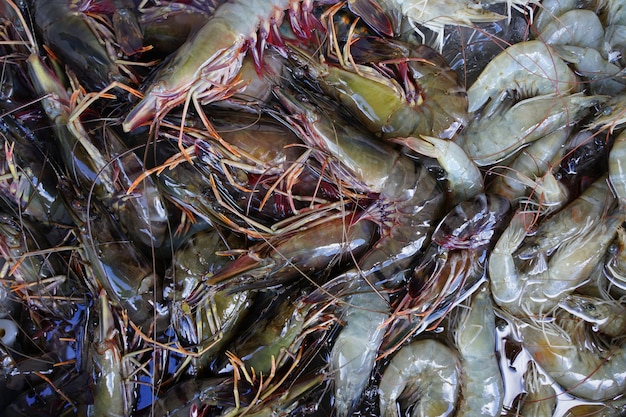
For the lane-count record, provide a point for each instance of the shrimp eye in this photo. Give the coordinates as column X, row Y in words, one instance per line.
column 590, row 307
column 298, row 73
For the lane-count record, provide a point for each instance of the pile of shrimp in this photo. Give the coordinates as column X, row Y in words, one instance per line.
column 312, row 208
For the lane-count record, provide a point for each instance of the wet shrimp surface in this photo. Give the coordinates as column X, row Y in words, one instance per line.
column 302, row 208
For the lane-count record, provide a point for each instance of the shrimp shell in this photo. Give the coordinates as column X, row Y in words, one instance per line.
column 529, row 68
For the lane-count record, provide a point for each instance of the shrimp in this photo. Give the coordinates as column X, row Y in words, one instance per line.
column 204, row 69
column 464, row 178
column 614, row 10
column 423, row 375
column 617, row 168
column 70, row 36
column 298, row 253
column 143, row 213
column 424, row 98
column 435, row 15
column 540, row 397
column 584, row 370
column 504, row 129
column 126, row 26
column 354, row 352
column 190, row 397
column 602, row 76
column 537, row 291
column 606, row 316
column 115, row 264
column 201, row 316
column 35, row 272
column 28, row 180
column 572, row 221
column 277, row 335
column 527, row 68
column 475, row 338
column 615, row 267
column 112, row 393
column 531, row 170
column 452, row 267
column 575, row 27
column 408, row 198
column 612, row 115
column 550, row 10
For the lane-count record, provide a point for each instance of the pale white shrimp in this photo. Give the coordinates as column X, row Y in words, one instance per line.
column 464, row 178
column 498, row 134
column 602, row 76
column 582, row 369
column 572, row 221
column 550, row 10
column 529, row 177
column 436, row 14
column 529, row 68
column 577, row 27
column 354, row 353
column 475, row 338
column 615, row 11
column 615, row 267
column 607, row 316
column 535, row 292
column 424, row 374
column 612, row 115
column 617, row 168
column 614, row 45
column 540, row 398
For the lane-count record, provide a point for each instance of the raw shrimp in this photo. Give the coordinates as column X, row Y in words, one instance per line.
column 529, row 177
column 615, row 267
column 27, row 177
column 423, row 376
column 435, row 15
column 561, row 349
column 602, row 76
column 109, row 169
column 527, row 68
column 113, row 394
column 464, row 178
column 540, row 398
column 606, row 316
column 205, row 68
column 299, row 254
column 424, row 98
column 475, row 338
column 452, row 267
column 204, row 317
column 617, row 168
column 408, row 198
column 116, row 265
column 278, row 334
column 195, row 395
column 33, row 270
column 537, row 291
column 576, row 27
column 573, row 220
column 550, row 10
column 503, row 129
column 70, row 36
column 611, row 116
column 126, row 26
column 355, row 349
column 614, row 11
